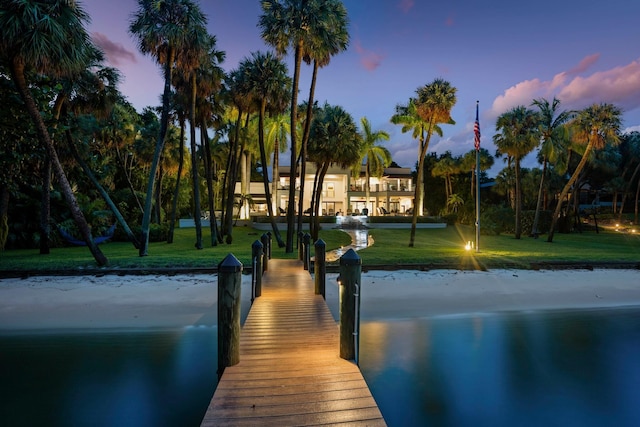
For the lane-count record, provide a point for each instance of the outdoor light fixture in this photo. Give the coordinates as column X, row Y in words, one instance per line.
column 339, row 280
column 468, row 246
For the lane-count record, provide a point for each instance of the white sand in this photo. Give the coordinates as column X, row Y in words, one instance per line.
column 183, row 300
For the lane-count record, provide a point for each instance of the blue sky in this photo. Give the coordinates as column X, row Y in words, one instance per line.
column 501, row 53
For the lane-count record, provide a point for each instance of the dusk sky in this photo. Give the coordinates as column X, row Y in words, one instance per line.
column 501, row 53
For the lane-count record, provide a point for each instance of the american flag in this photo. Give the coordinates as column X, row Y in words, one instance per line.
column 476, row 130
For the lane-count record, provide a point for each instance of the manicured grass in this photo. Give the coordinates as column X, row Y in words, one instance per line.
column 180, row 254
column 446, row 247
column 434, row 248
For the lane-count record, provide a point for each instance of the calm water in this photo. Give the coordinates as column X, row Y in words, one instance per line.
column 579, row 368
column 115, row 378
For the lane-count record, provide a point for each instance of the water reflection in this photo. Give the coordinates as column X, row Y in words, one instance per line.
column 116, row 378
column 558, row 368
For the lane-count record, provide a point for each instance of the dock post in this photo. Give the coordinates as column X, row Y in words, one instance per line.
column 264, row 239
column 320, row 268
column 256, row 272
column 350, row 280
column 306, row 239
column 229, row 286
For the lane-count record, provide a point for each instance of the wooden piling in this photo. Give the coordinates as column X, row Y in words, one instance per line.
column 229, row 286
column 350, row 281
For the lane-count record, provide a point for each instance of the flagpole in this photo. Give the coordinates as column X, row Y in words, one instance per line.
column 477, row 146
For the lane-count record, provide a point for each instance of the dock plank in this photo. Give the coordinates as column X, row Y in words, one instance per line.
column 290, row 372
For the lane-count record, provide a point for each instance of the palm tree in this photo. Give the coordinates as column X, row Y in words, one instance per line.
column 327, row 39
column 163, row 27
column 190, row 60
column 469, row 164
column 48, row 37
column 295, row 24
column 554, row 141
column 632, row 148
column 277, row 129
column 517, row 137
column 267, row 76
column 433, row 105
column 595, row 127
column 446, row 167
column 93, row 93
column 375, row 157
column 334, row 139
column 407, row 116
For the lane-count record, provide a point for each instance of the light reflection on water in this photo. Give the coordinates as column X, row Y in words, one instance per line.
column 577, row 368
column 108, row 378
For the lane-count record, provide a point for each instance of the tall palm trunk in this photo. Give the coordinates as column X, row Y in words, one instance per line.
column 232, row 166
column 626, row 191
column 45, row 209
column 305, row 143
column 291, row 205
column 17, row 73
column 265, row 174
column 518, row 227
column 122, row 162
column 164, row 125
column 276, row 176
column 5, row 196
column 208, row 169
column 419, row 182
column 536, row 217
column 176, row 190
column 197, row 214
column 94, row 180
column 635, row 217
column 367, row 186
column 566, row 189
column 316, row 218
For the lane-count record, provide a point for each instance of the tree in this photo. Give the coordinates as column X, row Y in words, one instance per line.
column 162, row 28
column 375, row 157
column 594, row 127
column 468, row 163
column 334, row 139
column 407, row 116
column 631, row 143
column 267, row 76
column 48, row 37
column 554, row 137
column 328, row 37
column 277, row 129
column 433, row 105
column 517, row 136
column 295, row 24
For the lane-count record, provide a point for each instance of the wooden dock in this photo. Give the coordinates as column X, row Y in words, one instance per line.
column 290, row 372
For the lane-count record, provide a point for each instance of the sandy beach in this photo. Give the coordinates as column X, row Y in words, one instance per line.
column 111, row 301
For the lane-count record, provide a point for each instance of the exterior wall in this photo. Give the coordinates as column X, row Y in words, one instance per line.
column 344, row 195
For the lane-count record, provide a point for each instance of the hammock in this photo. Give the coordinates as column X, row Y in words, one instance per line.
column 69, row 238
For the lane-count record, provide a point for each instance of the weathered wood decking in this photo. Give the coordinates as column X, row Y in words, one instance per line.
column 290, row 372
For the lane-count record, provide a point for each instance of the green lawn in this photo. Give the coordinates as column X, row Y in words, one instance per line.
column 433, row 248
column 446, row 246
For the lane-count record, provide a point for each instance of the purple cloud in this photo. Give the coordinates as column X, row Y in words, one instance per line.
column 406, row 5
column 116, row 53
column 619, row 85
column 369, row 59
